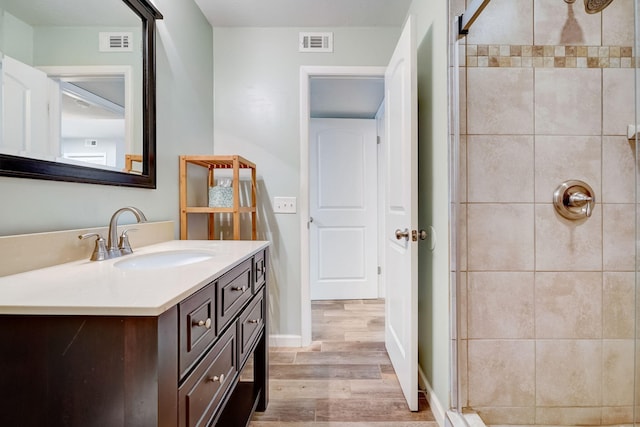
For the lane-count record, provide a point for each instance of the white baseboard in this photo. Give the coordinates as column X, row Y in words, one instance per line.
column 285, row 341
column 436, row 407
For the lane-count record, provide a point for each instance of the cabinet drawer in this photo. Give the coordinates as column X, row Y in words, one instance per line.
column 250, row 323
column 196, row 326
column 233, row 290
column 201, row 393
column 260, row 270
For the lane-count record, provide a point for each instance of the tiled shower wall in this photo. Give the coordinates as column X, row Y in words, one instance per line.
column 547, row 304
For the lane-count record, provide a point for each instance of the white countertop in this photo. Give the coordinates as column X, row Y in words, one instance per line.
column 99, row 288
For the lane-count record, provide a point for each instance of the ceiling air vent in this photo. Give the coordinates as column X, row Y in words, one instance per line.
column 316, row 42
column 116, row 42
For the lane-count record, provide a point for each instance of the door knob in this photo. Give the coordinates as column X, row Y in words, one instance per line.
column 402, row 234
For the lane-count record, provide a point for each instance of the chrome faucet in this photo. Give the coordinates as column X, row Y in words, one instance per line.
column 115, row 250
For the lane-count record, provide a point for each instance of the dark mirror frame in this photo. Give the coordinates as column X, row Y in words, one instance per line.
column 23, row 167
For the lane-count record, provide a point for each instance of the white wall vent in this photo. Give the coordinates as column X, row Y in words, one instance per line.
column 116, row 42
column 315, row 42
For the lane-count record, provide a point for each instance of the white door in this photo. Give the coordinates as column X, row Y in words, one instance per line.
column 401, row 214
column 27, row 122
column 343, row 202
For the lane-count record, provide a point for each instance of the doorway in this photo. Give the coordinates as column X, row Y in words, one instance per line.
column 345, row 74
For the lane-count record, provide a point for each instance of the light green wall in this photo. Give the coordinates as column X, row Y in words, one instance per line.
column 16, row 38
column 433, row 188
column 79, row 46
column 184, row 125
column 256, row 83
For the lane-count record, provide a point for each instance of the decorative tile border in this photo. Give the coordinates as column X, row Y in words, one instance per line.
column 527, row 56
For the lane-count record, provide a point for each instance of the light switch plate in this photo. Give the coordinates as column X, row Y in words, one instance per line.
column 284, row 205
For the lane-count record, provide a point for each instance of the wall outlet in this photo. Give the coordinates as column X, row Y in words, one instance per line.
column 284, row 205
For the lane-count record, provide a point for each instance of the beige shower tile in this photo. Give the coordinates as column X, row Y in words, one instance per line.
column 568, row 373
column 463, row 100
column 501, row 305
column 500, row 168
column 618, row 302
column 501, row 373
column 509, row 416
column 618, row 23
column 462, row 56
column 568, row 101
column 617, row 415
column 557, row 22
column 568, row 305
column 504, row 22
column 619, row 237
column 618, row 170
column 462, row 238
column 456, row 7
column 500, row 237
column 500, row 101
column 462, row 175
column 566, row 245
column 559, row 158
column 568, row 416
column 463, row 372
column 618, row 105
column 618, row 361
column 462, row 306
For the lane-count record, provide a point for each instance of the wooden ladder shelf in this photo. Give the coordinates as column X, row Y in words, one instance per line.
column 234, row 162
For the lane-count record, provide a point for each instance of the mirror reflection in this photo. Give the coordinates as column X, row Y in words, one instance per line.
column 72, row 81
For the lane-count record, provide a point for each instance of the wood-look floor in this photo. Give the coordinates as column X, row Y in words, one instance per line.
column 344, row 379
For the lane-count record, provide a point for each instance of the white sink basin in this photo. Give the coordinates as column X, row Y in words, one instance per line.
column 165, row 259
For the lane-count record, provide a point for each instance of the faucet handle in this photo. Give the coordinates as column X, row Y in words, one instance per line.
column 123, row 244
column 100, row 250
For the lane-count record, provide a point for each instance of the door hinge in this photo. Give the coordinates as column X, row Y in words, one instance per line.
column 378, row 140
column 379, row 270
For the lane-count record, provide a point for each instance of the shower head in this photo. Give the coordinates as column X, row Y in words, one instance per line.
column 593, row 6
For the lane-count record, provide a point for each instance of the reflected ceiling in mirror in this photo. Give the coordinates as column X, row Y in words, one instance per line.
column 78, row 90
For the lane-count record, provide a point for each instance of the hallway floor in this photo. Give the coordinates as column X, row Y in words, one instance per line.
column 344, row 379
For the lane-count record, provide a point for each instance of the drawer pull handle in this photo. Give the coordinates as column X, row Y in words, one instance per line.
column 239, row 288
column 215, row 378
column 253, row 321
column 205, row 323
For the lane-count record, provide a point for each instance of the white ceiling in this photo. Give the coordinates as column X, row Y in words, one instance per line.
column 304, row 13
column 71, row 12
column 345, row 98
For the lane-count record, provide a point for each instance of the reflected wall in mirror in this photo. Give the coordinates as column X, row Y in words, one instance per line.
column 78, row 90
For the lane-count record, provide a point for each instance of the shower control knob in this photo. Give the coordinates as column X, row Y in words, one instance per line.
column 574, row 199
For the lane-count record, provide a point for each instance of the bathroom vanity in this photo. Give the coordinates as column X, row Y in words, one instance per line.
column 141, row 343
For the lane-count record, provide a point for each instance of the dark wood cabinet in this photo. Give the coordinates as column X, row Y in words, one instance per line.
column 176, row 369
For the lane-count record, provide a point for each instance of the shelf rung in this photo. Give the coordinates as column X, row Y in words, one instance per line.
column 204, row 209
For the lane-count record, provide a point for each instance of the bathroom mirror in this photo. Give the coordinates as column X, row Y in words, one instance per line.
column 78, row 91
